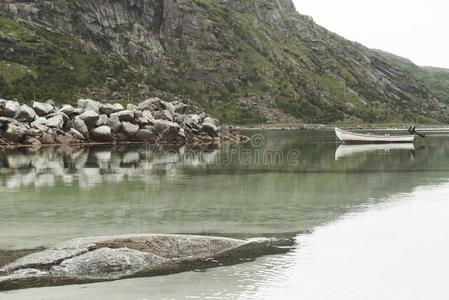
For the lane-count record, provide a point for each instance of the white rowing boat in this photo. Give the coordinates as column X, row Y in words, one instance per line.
column 360, row 138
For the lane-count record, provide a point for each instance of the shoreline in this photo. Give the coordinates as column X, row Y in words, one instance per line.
column 243, row 140
column 331, row 127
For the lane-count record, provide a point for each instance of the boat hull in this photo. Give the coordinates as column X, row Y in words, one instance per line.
column 347, row 137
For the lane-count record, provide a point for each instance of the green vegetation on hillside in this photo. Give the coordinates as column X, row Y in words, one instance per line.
column 435, row 79
column 43, row 64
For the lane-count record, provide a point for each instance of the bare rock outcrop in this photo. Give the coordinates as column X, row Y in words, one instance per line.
column 114, row 257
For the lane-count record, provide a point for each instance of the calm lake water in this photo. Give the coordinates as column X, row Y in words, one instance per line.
column 371, row 221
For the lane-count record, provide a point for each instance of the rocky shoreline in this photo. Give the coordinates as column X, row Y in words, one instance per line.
column 152, row 121
column 106, row 258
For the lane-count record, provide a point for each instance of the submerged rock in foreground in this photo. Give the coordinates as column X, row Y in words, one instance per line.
column 115, row 257
column 152, row 121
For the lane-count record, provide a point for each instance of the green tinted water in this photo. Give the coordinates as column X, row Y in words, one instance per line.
column 285, row 181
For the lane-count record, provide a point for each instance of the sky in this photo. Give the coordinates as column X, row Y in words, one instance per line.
column 418, row 30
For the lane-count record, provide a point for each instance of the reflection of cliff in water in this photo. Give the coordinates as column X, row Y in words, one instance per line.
column 133, row 190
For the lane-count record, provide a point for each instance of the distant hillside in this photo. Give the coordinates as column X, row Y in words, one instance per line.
column 245, row 61
column 435, row 79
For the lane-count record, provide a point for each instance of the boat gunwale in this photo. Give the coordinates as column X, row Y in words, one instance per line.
column 373, row 135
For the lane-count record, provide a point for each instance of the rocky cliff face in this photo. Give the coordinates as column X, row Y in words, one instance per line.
column 245, row 61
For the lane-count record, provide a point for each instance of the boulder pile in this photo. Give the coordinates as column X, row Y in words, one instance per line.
column 152, row 121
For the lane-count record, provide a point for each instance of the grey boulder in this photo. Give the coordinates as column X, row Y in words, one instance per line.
column 163, row 115
column 125, row 115
column 102, row 121
column 210, row 126
column 25, row 114
column 76, row 134
column 38, row 121
column 118, row 107
column 162, row 125
column 168, row 106
column 93, row 106
column 34, row 132
column 7, row 120
column 180, row 107
column 114, row 123
column 79, row 125
column 67, row 109
column 82, row 103
column 42, row 109
column 90, row 118
column 65, row 139
column 101, row 134
column 211, row 130
column 41, row 128
column 15, row 133
column 178, row 118
column 131, row 106
column 192, row 120
column 211, row 121
column 130, row 129
column 63, row 115
column 55, row 122
column 151, row 104
column 32, row 140
column 89, row 105
column 107, row 109
column 10, row 109
column 170, row 134
column 147, row 136
column 146, row 118
column 47, row 138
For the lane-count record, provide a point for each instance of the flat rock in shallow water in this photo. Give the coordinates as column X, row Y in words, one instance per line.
column 116, row 263
column 115, row 257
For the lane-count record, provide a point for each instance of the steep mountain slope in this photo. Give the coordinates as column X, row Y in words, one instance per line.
column 435, row 79
column 245, row 61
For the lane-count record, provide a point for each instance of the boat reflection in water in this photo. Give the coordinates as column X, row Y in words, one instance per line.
column 344, row 151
